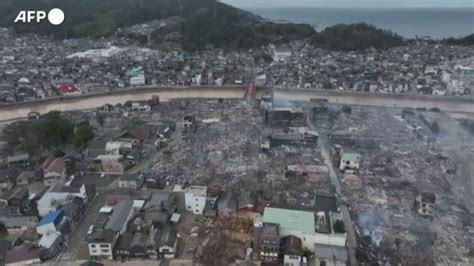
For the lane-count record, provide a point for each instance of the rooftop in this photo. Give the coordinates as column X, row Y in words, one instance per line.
column 270, row 229
column 290, row 219
column 52, row 217
column 330, row 252
column 197, row 190
column 352, row 157
column 120, row 215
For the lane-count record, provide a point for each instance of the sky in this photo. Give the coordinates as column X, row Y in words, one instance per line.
column 351, row 3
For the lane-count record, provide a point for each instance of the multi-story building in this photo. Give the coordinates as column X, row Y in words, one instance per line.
column 195, row 199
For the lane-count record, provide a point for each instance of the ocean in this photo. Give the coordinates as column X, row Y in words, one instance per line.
column 408, row 22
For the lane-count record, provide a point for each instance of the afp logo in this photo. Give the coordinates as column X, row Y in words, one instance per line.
column 55, row 16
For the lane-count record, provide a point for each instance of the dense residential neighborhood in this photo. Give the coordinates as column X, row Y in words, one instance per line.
column 81, row 66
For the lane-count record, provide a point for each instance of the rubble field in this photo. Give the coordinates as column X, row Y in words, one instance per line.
column 405, row 154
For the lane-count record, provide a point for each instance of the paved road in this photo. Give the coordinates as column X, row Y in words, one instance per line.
column 335, row 180
column 79, row 233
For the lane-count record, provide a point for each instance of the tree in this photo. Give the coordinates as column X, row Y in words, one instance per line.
column 54, row 130
column 84, row 134
column 358, row 36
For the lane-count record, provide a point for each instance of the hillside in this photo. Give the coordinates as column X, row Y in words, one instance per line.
column 358, row 36
column 464, row 41
column 199, row 24
column 203, row 22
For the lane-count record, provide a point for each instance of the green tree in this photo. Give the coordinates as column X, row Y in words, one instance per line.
column 84, row 134
column 358, row 36
column 54, row 130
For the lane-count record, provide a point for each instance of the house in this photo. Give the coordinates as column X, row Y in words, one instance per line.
column 137, row 80
column 5, row 181
column 121, row 214
column 24, row 254
column 17, row 225
column 50, row 223
column 195, row 199
column 159, row 219
column 56, row 197
column 21, row 160
column 138, row 246
column 14, row 197
column 30, row 236
column 50, row 245
column 74, row 210
column 281, row 55
column 112, row 163
column 292, row 251
column 68, row 89
column 330, row 255
column 267, row 241
column 137, row 134
column 106, row 108
column 118, row 147
column 310, row 226
column 132, row 181
column 349, row 161
column 96, row 148
column 160, row 201
column 168, row 243
column 122, row 249
column 26, row 178
column 54, row 171
column 101, row 244
column 227, row 205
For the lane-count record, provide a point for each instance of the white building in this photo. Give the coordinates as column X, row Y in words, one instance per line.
column 281, row 55
column 303, row 224
column 349, row 161
column 118, row 147
column 52, row 200
column 101, row 244
column 137, row 80
column 195, row 199
column 97, row 53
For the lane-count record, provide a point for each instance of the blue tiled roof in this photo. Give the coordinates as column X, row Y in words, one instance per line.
column 52, row 217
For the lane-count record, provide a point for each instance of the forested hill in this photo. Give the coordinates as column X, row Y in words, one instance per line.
column 103, row 17
column 202, row 23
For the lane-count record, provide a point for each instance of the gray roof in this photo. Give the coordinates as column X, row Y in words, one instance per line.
column 168, row 237
column 125, row 241
column 158, row 199
column 102, row 236
column 158, row 218
column 26, row 175
column 325, row 203
column 139, row 240
column 70, row 209
column 17, row 221
column 17, row 158
column 119, row 215
column 330, row 252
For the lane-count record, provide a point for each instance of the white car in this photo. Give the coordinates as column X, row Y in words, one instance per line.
column 91, row 229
